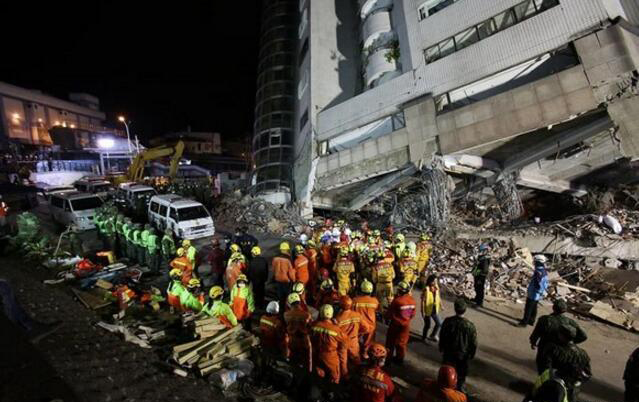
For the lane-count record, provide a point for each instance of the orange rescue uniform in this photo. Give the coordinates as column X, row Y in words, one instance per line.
column 298, row 347
column 184, row 265
column 301, row 269
column 400, row 313
column 283, row 271
column 374, row 385
column 329, row 346
column 367, row 307
column 349, row 322
column 343, row 269
column 271, row 331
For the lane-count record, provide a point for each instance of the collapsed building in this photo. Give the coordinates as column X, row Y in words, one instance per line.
column 503, row 98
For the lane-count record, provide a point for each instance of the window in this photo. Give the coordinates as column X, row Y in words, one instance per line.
column 81, row 187
column 398, row 120
column 190, row 213
column 525, row 9
column 276, row 139
column 173, row 215
column 446, row 47
column 301, row 87
column 303, row 24
column 57, row 202
column 432, row 54
column 163, row 209
column 303, row 52
column 155, row 207
column 304, row 119
column 83, row 204
column 423, row 13
column 486, row 28
column 505, row 19
column 67, row 206
column 466, row 38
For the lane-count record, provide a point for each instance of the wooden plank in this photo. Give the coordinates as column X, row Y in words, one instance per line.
column 91, row 300
column 185, row 346
column 577, row 288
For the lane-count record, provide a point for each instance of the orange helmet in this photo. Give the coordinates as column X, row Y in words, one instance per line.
column 447, row 377
column 378, row 351
column 345, row 302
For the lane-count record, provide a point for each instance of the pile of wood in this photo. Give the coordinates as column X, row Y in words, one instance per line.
column 216, row 347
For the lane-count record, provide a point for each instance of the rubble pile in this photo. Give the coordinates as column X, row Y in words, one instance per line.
column 258, row 215
column 217, row 347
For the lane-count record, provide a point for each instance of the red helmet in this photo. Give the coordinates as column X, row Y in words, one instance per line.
column 447, row 377
column 345, row 302
column 377, row 350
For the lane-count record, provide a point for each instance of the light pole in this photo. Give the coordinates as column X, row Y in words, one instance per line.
column 128, row 136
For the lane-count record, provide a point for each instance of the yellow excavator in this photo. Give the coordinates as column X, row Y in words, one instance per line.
column 135, row 172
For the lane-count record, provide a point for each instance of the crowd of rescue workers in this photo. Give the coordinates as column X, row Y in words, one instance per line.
column 355, row 279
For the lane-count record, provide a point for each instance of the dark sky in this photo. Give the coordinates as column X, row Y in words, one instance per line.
column 165, row 65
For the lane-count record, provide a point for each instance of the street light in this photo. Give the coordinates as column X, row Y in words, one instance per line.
column 128, row 136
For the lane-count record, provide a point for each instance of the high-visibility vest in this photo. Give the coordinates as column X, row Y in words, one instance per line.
column 549, row 375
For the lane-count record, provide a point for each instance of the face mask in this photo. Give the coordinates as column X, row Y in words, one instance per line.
column 241, row 285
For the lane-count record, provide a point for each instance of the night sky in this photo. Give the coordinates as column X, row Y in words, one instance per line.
column 164, row 65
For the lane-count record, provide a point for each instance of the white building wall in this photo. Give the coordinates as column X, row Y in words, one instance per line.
column 537, row 35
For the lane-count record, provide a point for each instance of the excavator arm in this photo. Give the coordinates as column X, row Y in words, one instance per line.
column 136, row 170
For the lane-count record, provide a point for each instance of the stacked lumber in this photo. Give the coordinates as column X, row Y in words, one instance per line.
column 213, row 352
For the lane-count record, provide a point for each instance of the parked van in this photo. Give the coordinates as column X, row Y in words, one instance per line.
column 187, row 219
column 100, row 187
column 74, row 208
column 129, row 193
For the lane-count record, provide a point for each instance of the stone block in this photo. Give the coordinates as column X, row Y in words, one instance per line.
column 529, row 118
column 547, row 88
column 523, row 97
column 554, row 110
column 573, row 79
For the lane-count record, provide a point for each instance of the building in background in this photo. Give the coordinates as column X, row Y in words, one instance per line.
column 195, row 143
column 540, row 90
column 272, row 148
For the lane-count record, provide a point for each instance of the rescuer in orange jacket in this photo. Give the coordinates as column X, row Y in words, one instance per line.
column 349, row 322
column 298, row 321
column 313, row 266
column 400, row 313
column 367, row 306
column 299, row 289
column 272, row 331
column 383, row 275
column 442, row 390
column 283, row 271
column 329, row 347
column 301, row 265
column 328, row 294
column 182, row 263
column 373, row 384
column 326, row 256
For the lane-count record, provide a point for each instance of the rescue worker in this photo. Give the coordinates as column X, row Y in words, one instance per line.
column 480, row 272
column 408, row 268
column 389, row 254
column 442, row 390
column 631, row 378
column 283, row 272
column 257, row 273
column 216, row 261
column 431, row 307
column 424, row 249
column 190, row 252
column 119, row 235
column 168, row 247
column 152, row 257
column 109, row 232
column 399, row 246
column 272, row 341
column 458, row 342
column 126, row 229
column 217, row 308
column 326, row 254
column 245, row 241
column 183, row 264
column 298, row 321
column 137, row 243
column 350, row 322
column 312, row 254
column 242, row 301
column 236, row 266
column 193, row 298
column 536, row 291
column 373, row 384
column 301, row 265
column 329, row 347
column 328, row 294
column 142, row 245
column 383, row 275
column 570, row 359
column 367, row 306
column 344, row 270
column 298, row 287
column 550, row 386
column 546, row 331
column 175, row 289
column 400, row 313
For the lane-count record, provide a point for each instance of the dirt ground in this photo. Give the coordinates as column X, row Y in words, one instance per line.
column 84, row 363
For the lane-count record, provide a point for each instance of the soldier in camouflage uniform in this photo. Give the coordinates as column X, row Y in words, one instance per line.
column 458, row 342
column 547, row 331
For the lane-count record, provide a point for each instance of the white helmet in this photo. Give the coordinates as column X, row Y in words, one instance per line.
column 541, row 258
column 303, row 238
column 273, row 307
column 336, row 233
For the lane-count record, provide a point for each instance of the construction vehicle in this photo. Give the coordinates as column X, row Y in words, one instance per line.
column 135, row 173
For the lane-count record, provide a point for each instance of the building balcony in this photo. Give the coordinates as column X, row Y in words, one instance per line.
column 377, row 27
column 367, row 7
column 379, row 64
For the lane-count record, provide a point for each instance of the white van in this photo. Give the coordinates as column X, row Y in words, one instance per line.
column 99, row 187
column 130, row 192
column 187, row 219
column 74, row 208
